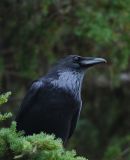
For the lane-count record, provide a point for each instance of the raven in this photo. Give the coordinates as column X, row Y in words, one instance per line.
column 53, row 102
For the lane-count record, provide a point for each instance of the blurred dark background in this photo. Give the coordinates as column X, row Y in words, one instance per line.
column 35, row 33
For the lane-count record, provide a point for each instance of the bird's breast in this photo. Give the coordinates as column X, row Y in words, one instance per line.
column 59, row 98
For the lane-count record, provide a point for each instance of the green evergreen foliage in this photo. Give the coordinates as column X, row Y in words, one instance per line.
column 14, row 145
column 4, row 97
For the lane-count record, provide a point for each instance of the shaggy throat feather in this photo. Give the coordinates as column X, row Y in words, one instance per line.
column 69, row 80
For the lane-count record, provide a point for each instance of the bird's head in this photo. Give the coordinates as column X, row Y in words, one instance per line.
column 79, row 63
column 68, row 73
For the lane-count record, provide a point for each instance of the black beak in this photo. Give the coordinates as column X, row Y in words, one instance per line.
column 90, row 61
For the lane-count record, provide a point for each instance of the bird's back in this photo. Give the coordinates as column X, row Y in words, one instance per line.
column 49, row 109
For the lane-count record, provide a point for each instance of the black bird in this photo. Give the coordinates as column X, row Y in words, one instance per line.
column 53, row 102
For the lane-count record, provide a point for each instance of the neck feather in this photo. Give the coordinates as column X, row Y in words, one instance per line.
column 71, row 81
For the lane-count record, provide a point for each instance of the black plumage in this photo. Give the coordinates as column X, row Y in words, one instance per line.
column 53, row 102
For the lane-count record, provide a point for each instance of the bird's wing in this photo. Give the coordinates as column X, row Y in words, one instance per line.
column 74, row 122
column 29, row 98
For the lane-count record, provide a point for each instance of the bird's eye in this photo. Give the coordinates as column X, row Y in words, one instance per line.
column 76, row 59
